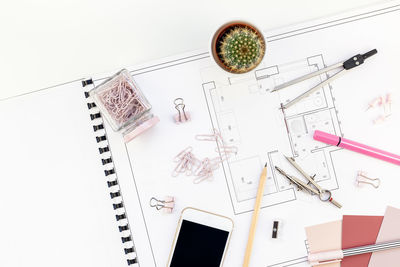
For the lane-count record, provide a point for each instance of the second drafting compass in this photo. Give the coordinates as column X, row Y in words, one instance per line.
column 312, row 186
column 349, row 64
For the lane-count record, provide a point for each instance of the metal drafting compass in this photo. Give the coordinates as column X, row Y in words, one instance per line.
column 311, row 187
column 349, row 64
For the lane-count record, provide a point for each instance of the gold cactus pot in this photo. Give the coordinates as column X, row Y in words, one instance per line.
column 238, row 47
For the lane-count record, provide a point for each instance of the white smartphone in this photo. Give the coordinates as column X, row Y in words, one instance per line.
column 201, row 239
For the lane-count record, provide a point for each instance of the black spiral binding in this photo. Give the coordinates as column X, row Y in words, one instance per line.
column 111, row 176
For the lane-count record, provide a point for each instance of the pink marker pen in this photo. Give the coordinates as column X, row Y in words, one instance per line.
column 357, row 147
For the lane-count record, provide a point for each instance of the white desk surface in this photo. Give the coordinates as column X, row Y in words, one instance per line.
column 45, row 42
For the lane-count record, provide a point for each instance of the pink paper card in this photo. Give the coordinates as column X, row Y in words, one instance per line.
column 359, row 231
column 390, row 231
column 325, row 237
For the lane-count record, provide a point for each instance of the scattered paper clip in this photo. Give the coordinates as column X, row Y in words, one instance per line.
column 187, row 162
column 205, row 172
column 183, row 153
column 166, row 205
column 190, row 165
column 227, row 150
column 224, row 150
column 362, row 178
column 182, row 115
column 216, row 136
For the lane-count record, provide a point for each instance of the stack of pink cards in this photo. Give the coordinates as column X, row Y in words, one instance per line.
column 355, row 231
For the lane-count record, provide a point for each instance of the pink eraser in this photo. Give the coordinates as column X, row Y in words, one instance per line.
column 326, row 138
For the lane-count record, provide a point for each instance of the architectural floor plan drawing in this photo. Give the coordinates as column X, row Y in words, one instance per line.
column 243, row 109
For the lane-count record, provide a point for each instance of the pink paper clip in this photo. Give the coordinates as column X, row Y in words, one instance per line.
column 187, row 162
column 206, row 170
column 166, row 205
column 215, row 136
column 223, row 157
column 181, row 154
column 224, row 150
column 203, row 169
column 182, row 115
column 227, row 150
column 206, row 137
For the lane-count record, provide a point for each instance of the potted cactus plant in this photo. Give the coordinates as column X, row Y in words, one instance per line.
column 238, row 47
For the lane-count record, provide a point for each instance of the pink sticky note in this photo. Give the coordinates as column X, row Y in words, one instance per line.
column 390, row 231
column 325, row 237
column 359, row 231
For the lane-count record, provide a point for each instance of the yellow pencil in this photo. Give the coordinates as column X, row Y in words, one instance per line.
column 254, row 219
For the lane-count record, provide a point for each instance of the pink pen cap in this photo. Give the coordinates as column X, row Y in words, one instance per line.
column 326, row 138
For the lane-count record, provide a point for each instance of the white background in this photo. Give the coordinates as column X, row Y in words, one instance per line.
column 47, row 42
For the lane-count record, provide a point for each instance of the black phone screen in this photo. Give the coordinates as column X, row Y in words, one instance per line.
column 199, row 245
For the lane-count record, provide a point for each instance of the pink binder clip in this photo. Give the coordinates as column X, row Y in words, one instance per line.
column 166, row 205
column 182, row 115
column 362, row 178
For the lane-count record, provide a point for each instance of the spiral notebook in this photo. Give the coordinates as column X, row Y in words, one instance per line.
column 57, row 171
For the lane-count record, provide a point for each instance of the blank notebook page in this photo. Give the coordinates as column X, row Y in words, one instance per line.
column 54, row 203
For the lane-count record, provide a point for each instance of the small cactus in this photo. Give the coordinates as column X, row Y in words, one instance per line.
column 241, row 49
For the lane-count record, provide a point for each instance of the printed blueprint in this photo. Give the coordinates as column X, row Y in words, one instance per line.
column 248, row 115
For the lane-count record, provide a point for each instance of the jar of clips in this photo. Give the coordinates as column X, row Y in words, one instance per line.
column 124, row 105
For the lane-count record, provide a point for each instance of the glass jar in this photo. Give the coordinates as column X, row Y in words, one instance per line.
column 124, row 105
